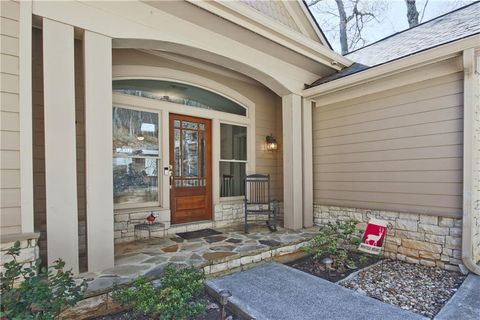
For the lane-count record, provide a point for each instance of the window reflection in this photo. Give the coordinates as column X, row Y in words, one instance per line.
column 178, row 93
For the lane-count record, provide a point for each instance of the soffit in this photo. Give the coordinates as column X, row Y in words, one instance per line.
column 217, row 24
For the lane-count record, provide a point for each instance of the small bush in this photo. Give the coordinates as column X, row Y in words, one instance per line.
column 333, row 241
column 35, row 293
column 175, row 298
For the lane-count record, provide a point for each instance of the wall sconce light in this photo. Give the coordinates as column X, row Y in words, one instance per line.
column 271, row 143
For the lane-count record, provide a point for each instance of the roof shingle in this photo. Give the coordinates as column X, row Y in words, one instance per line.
column 449, row 27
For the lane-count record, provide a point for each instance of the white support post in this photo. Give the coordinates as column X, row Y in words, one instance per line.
column 292, row 161
column 26, row 146
column 307, row 164
column 98, row 150
column 60, row 143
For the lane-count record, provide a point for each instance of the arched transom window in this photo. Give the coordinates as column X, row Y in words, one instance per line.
column 180, row 93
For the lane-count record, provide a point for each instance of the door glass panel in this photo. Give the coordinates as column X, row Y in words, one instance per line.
column 190, row 153
column 189, row 125
column 176, row 123
column 176, row 152
column 202, row 153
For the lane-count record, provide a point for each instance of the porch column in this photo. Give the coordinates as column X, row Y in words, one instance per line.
column 60, row 146
column 98, row 150
column 307, row 164
column 292, row 161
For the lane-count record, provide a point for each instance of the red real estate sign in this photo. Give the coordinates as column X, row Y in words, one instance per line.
column 374, row 237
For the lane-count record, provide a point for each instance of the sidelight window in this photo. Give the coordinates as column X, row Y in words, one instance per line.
column 233, row 160
column 135, row 156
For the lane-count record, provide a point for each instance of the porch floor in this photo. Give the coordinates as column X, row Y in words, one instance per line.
column 149, row 257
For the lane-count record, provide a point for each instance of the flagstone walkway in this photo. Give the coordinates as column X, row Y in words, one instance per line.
column 219, row 253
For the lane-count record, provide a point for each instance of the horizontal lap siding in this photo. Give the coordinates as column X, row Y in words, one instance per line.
column 399, row 150
column 10, row 206
column 268, row 121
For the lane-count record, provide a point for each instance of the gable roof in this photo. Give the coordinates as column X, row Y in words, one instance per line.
column 292, row 14
column 275, row 10
column 450, row 27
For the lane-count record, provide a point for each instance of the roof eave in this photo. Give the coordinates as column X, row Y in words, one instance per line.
column 275, row 31
column 393, row 67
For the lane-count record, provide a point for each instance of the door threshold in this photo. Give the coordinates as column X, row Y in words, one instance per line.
column 189, row 223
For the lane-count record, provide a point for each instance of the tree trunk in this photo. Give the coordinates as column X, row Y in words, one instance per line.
column 412, row 13
column 342, row 26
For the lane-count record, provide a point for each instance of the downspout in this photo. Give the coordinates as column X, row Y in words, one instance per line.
column 469, row 159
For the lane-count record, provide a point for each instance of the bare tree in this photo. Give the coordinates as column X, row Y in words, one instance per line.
column 352, row 17
column 413, row 14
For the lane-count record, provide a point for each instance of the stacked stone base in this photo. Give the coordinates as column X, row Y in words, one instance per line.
column 414, row 238
column 225, row 214
column 29, row 251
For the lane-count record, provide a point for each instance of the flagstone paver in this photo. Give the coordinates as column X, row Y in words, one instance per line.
column 231, row 249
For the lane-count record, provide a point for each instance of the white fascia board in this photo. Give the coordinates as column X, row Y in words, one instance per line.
column 275, row 31
column 390, row 68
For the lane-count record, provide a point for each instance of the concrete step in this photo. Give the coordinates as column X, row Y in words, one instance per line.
column 278, row 292
column 465, row 304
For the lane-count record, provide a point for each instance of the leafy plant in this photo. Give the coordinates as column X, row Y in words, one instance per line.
column 34, row 292
column 332, row 241
column 175, row 298
column 362, row 260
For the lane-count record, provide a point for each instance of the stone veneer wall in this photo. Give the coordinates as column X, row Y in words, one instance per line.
column 415, row 238
column 29, row 251
column 225, row 214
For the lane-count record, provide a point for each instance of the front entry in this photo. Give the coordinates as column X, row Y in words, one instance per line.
column 191, row 164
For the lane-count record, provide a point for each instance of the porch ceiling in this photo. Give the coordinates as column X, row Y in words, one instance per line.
column 174, row 27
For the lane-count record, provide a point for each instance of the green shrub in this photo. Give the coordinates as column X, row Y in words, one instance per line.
column 175, row 298
column 333, row 241
column 35, row 293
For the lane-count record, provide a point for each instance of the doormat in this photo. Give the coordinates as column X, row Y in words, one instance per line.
column 198, row 234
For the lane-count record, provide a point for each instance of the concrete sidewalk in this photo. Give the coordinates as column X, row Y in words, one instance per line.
column 465, row 304
column 277, row 292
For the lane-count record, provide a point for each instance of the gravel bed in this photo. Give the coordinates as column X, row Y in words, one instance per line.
column 413, row 287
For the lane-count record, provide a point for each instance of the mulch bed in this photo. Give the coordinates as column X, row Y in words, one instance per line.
column 413, row 287
column 315, row 267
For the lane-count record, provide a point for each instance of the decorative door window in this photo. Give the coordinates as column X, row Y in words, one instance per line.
column 189, row 154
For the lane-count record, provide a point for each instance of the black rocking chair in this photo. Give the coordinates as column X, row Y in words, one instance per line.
column 257, row 200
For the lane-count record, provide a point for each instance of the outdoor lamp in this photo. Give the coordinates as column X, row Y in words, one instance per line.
column 271, row 143
column 224, row 295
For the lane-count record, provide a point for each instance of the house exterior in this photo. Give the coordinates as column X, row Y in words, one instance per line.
column 112, row 111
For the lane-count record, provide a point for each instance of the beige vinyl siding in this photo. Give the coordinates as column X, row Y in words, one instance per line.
column 400, row 149
column 10, row 206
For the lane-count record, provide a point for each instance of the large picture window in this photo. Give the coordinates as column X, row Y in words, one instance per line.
column 135, row 157
column 233, row 160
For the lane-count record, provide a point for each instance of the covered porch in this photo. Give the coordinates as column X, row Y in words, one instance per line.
column 119, row 78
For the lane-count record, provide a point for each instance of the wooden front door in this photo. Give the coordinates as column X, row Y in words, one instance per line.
column 191, row 164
